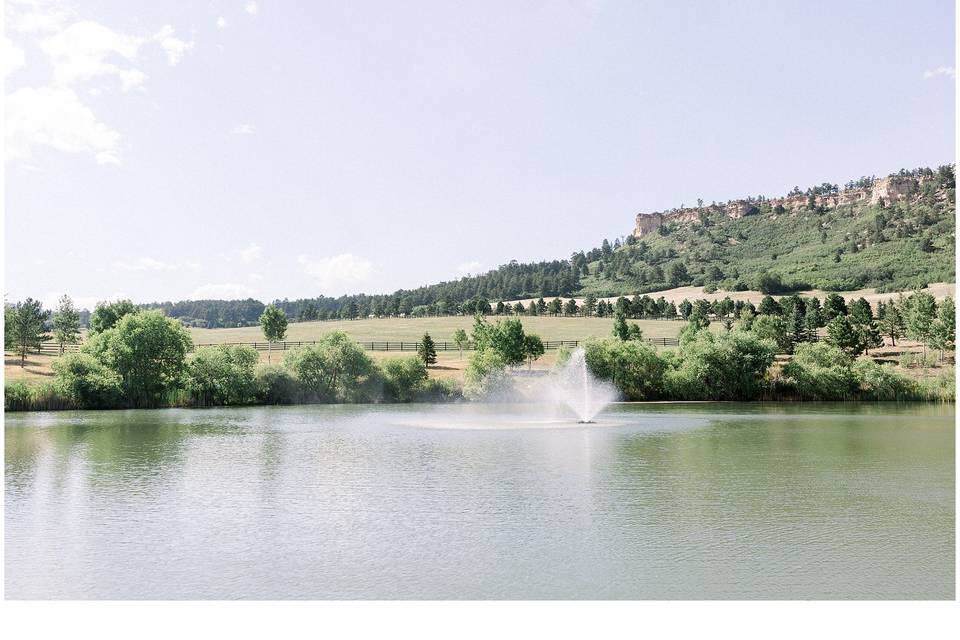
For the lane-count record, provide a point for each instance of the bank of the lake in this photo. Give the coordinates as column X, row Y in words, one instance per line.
column 483, row 501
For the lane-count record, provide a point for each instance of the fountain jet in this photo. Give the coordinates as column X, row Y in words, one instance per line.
column 575, row 387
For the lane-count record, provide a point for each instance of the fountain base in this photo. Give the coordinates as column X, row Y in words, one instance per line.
column 586, row 422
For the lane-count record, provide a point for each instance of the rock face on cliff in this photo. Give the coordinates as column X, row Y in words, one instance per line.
column 888, row 190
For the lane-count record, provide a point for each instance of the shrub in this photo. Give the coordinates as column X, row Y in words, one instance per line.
column 730, row 366
column 335, row 370
column 486, row 375
column 87, row 383
column 17, row 397
column 883, row 382
column 820, row 371
column 148, row 351
column 631, row 365
column 223, row 374
column 403, row 378
column 275, row 385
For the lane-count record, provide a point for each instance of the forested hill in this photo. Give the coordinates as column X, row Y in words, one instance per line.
column 892, row 233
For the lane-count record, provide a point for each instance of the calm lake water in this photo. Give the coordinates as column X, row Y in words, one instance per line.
column 655, row 501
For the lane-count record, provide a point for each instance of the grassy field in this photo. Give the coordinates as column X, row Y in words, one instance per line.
column 440, row 329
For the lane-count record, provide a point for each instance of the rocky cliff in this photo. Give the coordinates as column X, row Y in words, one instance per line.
column 890, row 189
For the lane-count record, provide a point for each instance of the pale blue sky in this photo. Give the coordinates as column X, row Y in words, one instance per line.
column 167, row 150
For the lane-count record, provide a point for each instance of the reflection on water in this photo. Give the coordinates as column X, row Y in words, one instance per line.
column 655, row 501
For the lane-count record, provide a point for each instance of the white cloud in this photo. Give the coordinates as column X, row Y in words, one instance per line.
column 243, row 129
column 337, row 272
column 35, row 20
column 221, row 23
column 147, row 263
column 222, row 291
column 251, row 8
column 13, row 57
column 254, row 277
column 469, row 268
column 80, row 52
column 251, row 253
column 171, row 45
column 55, row 117
column 949, row 72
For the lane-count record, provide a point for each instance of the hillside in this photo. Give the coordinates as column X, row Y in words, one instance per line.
column 888, row 234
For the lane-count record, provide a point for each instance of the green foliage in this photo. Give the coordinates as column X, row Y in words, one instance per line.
column 25, row 326
column 632, row 366
column 842, row 334
column 730, row 366
column 404, row 378
column 17, row 396
column 222, row 375
column 774, row 330
column 620, row 329
column 87, row 383
column 486, row 375
column 878, row 382
column 335, row 369
column 426, row 350
column 532, row 347
column 920, row 310
column 148, row 351
column 944, row 334
column 276, row 385
column 273, row 322
column 461, row 340
column 106, row 315
column 66, row 323
column 821, row 371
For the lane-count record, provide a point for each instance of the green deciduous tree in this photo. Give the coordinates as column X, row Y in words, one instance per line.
column 336, row 369
column 461, row 340
column 148, row 351
column 222, row 375
column 66, row 323
column 532, row 348
column 920, row 310
column 107, row 314
column 273, row 321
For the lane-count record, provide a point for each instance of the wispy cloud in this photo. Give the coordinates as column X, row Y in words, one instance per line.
column 335, row 273
column 243, row 129
column 251, row 253
column 251, row 8
column 85, row 58
column 221, row 23
column 949, row 72
column 147, row 263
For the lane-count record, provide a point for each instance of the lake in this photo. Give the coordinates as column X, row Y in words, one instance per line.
column 655, row 501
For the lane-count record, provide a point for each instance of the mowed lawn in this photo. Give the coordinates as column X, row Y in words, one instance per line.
column 440, row 329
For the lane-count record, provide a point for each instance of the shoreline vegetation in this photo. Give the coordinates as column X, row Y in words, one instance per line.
column 136, row 358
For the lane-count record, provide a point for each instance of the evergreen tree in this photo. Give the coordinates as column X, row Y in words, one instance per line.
column 944, row 335
column 25, row 327
column 842, row 334
column 834, row 306
column 426, row 350
column 620, row 329
column 891, row 322
column 589, row 305
column 920, row 311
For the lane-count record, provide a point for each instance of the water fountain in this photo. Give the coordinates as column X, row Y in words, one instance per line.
column 575, row 387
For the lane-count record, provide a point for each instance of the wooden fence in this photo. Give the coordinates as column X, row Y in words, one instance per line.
column 53, row 349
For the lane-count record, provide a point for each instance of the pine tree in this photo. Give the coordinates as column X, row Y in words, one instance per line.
column 25, row 326
column 620, row 329
column 427, row 350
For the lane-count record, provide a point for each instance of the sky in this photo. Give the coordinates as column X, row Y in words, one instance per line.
column 228, row 149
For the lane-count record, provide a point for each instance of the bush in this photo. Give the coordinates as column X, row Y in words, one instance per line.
column 403, row 378
column 222, row 375
column 486, row 376
column 87, row 383
column 148, row 351
column 17, row 397
column 335, row 370
column 883, row 382
column 820, row 371
column 730, row 366
column 275, row 385
column 631, row 365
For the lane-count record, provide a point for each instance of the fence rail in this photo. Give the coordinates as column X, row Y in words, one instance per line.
column 53, row 348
